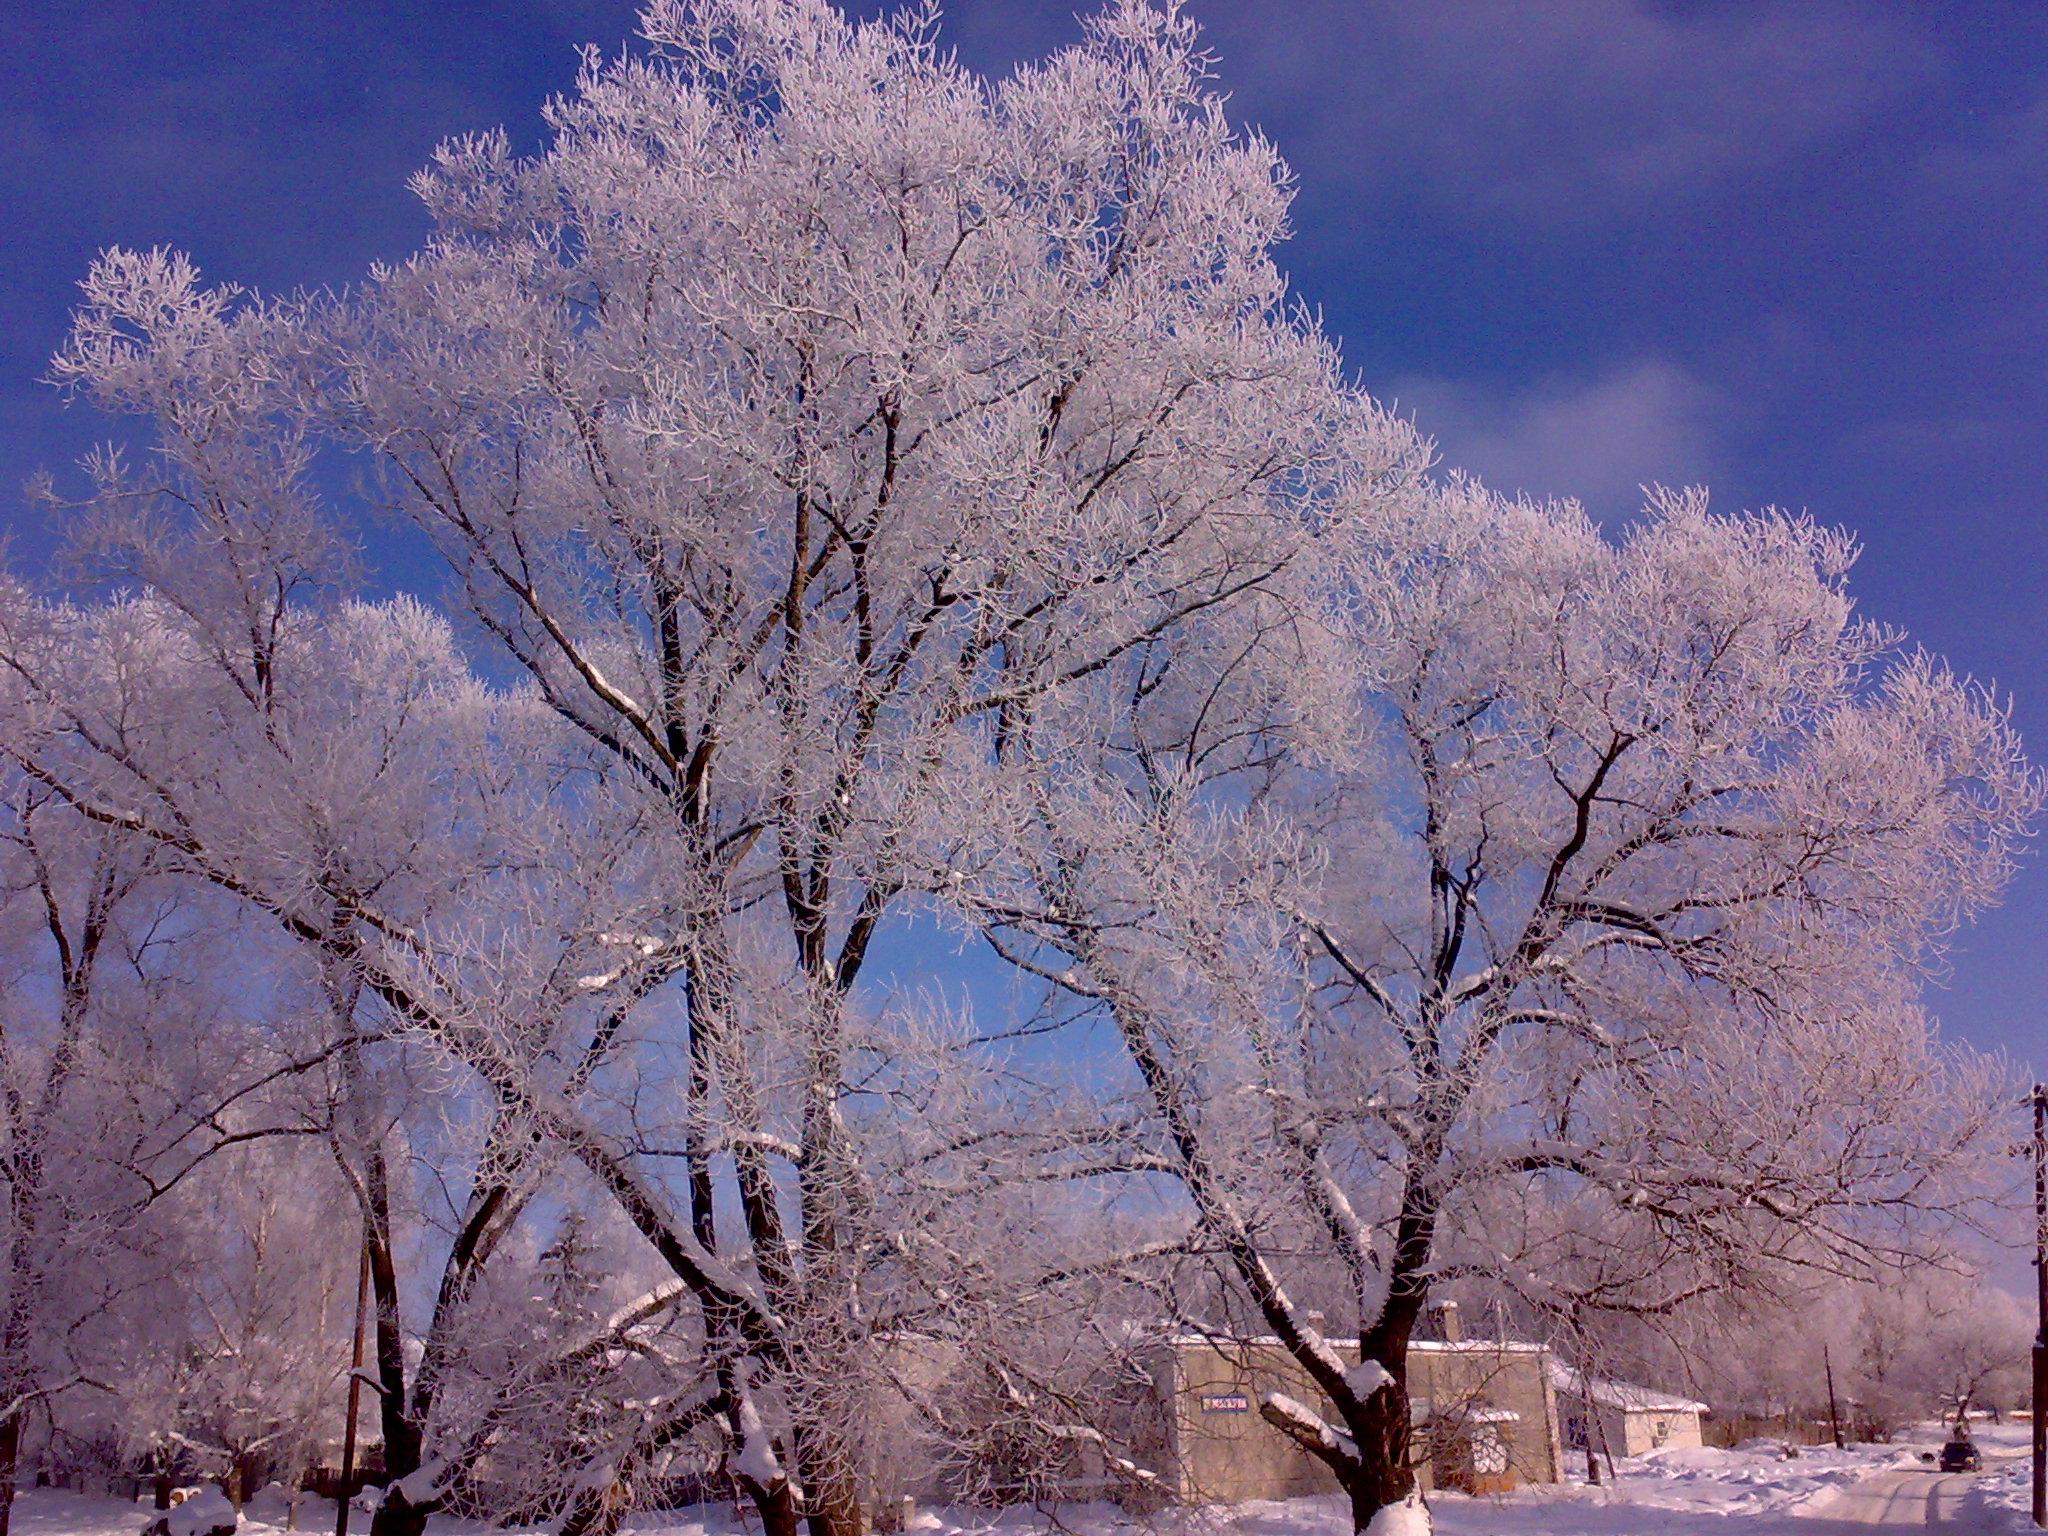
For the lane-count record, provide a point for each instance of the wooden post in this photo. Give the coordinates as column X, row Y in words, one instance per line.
column 1584, row 1351
column 1827, row 1361
column 2040, row 1404
column 1606, row 1447
column 355, row 1394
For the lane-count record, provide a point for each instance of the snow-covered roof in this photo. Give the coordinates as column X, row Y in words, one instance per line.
column 1618, row 1394
column 1422, row 1410
column 1189, row 1340
column 1490, row 1416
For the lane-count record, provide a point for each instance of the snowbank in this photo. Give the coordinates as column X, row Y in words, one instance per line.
column 1691, row 1491
column 1408, row 1518
column 206, row 1513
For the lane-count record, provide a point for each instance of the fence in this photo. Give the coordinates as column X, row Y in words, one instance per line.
column 1730, row 1430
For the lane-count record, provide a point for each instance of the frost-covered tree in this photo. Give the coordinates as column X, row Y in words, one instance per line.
column 1907, row 1346
column 884, row 503
column 132, row 1053
column 98, row 1076
column 1926, row 1346
column 568, row 1282
column 1978, row 1346
column 1577, row 952
column 807, row 418
column 65, row 1209
column 322, row 761
column 251, row 1348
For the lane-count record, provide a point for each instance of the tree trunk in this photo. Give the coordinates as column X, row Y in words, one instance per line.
column 397, row 1516
column 836, row 1508
column 10, row 1458
column 247, row 1476
column 1367, row 1503
column 1381, row 1429
column 778, row 1507
column 1383, row 1473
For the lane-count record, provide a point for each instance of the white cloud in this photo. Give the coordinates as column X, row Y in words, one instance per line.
column 1597, row 440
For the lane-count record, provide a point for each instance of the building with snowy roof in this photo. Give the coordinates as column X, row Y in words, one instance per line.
column 1484, row 1415
column 1617, row 1418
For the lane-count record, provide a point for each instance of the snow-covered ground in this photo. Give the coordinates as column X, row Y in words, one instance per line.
column 1704, row 1493
column 1823, row 1492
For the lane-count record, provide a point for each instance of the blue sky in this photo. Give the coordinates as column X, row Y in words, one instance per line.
column 1793, row 251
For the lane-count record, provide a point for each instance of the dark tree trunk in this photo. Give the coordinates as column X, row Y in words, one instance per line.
column 1374, row 1485
column 401, row 1434
column 398, row 1516
column 250, row 1472
column 10, row 1461
column 1381, row 1427
column 1383, row 1472
column 781, row 1514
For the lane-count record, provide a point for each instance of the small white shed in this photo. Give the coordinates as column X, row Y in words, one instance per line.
column 1621, row 1419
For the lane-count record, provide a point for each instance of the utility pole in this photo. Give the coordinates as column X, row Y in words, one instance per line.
column 355, row 1393
column 1827, row 1361
column 2039, row 1416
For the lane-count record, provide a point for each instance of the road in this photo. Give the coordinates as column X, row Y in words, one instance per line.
column 1908, row 1497
column 1915, row 1497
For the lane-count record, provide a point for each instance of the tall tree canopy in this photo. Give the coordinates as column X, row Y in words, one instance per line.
column 881, row 502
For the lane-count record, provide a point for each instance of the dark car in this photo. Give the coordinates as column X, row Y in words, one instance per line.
column 1961, row 1456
